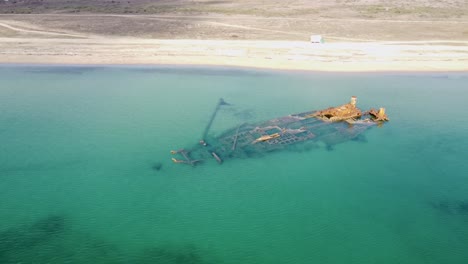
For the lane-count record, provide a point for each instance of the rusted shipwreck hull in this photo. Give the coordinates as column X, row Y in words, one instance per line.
column 314, row 128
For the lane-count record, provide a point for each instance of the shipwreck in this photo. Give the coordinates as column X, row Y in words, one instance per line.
column 329, row 126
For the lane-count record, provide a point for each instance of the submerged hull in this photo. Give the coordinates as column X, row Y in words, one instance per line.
column 296, row 131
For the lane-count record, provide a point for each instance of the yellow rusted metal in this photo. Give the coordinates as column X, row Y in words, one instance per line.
column 378, row 115
column 339, row 113
column 266, row 138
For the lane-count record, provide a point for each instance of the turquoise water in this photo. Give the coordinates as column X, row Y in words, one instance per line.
column 79, row 147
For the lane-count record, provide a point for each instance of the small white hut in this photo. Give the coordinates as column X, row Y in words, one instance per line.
column 316, row 39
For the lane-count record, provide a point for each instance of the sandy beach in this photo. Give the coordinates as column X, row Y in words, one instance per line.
column 292, row 55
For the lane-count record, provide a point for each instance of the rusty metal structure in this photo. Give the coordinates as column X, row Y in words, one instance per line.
column 329, row 126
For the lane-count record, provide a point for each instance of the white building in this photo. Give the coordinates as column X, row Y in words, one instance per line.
column 316, row 39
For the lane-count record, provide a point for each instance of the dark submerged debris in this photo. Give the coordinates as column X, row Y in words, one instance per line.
column 220, row 103
column 25, row 237
column 187, row 159
column 171, row 255
column 85, row 248
column 360, row 138
column 442, row 206
column 157, row 166
column 49, row 226
column 62, row 245
column 452, row 208
column 462, row 207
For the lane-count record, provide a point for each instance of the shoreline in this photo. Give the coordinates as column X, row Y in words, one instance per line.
column 209, row 67
column 352, row 57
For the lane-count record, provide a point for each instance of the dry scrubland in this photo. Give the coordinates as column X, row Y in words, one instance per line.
column 358, row 33
column 245, row 19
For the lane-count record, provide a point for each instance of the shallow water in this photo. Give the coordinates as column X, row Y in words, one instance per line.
column 79, row 147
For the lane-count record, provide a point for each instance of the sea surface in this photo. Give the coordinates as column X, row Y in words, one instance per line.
column 86, row 174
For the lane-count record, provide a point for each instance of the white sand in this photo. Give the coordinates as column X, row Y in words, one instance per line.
column 292, row 55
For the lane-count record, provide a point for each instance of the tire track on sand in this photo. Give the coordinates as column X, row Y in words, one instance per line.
column 2, row 24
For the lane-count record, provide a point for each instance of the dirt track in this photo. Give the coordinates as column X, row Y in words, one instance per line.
column 233, row 27
column 42, row 32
